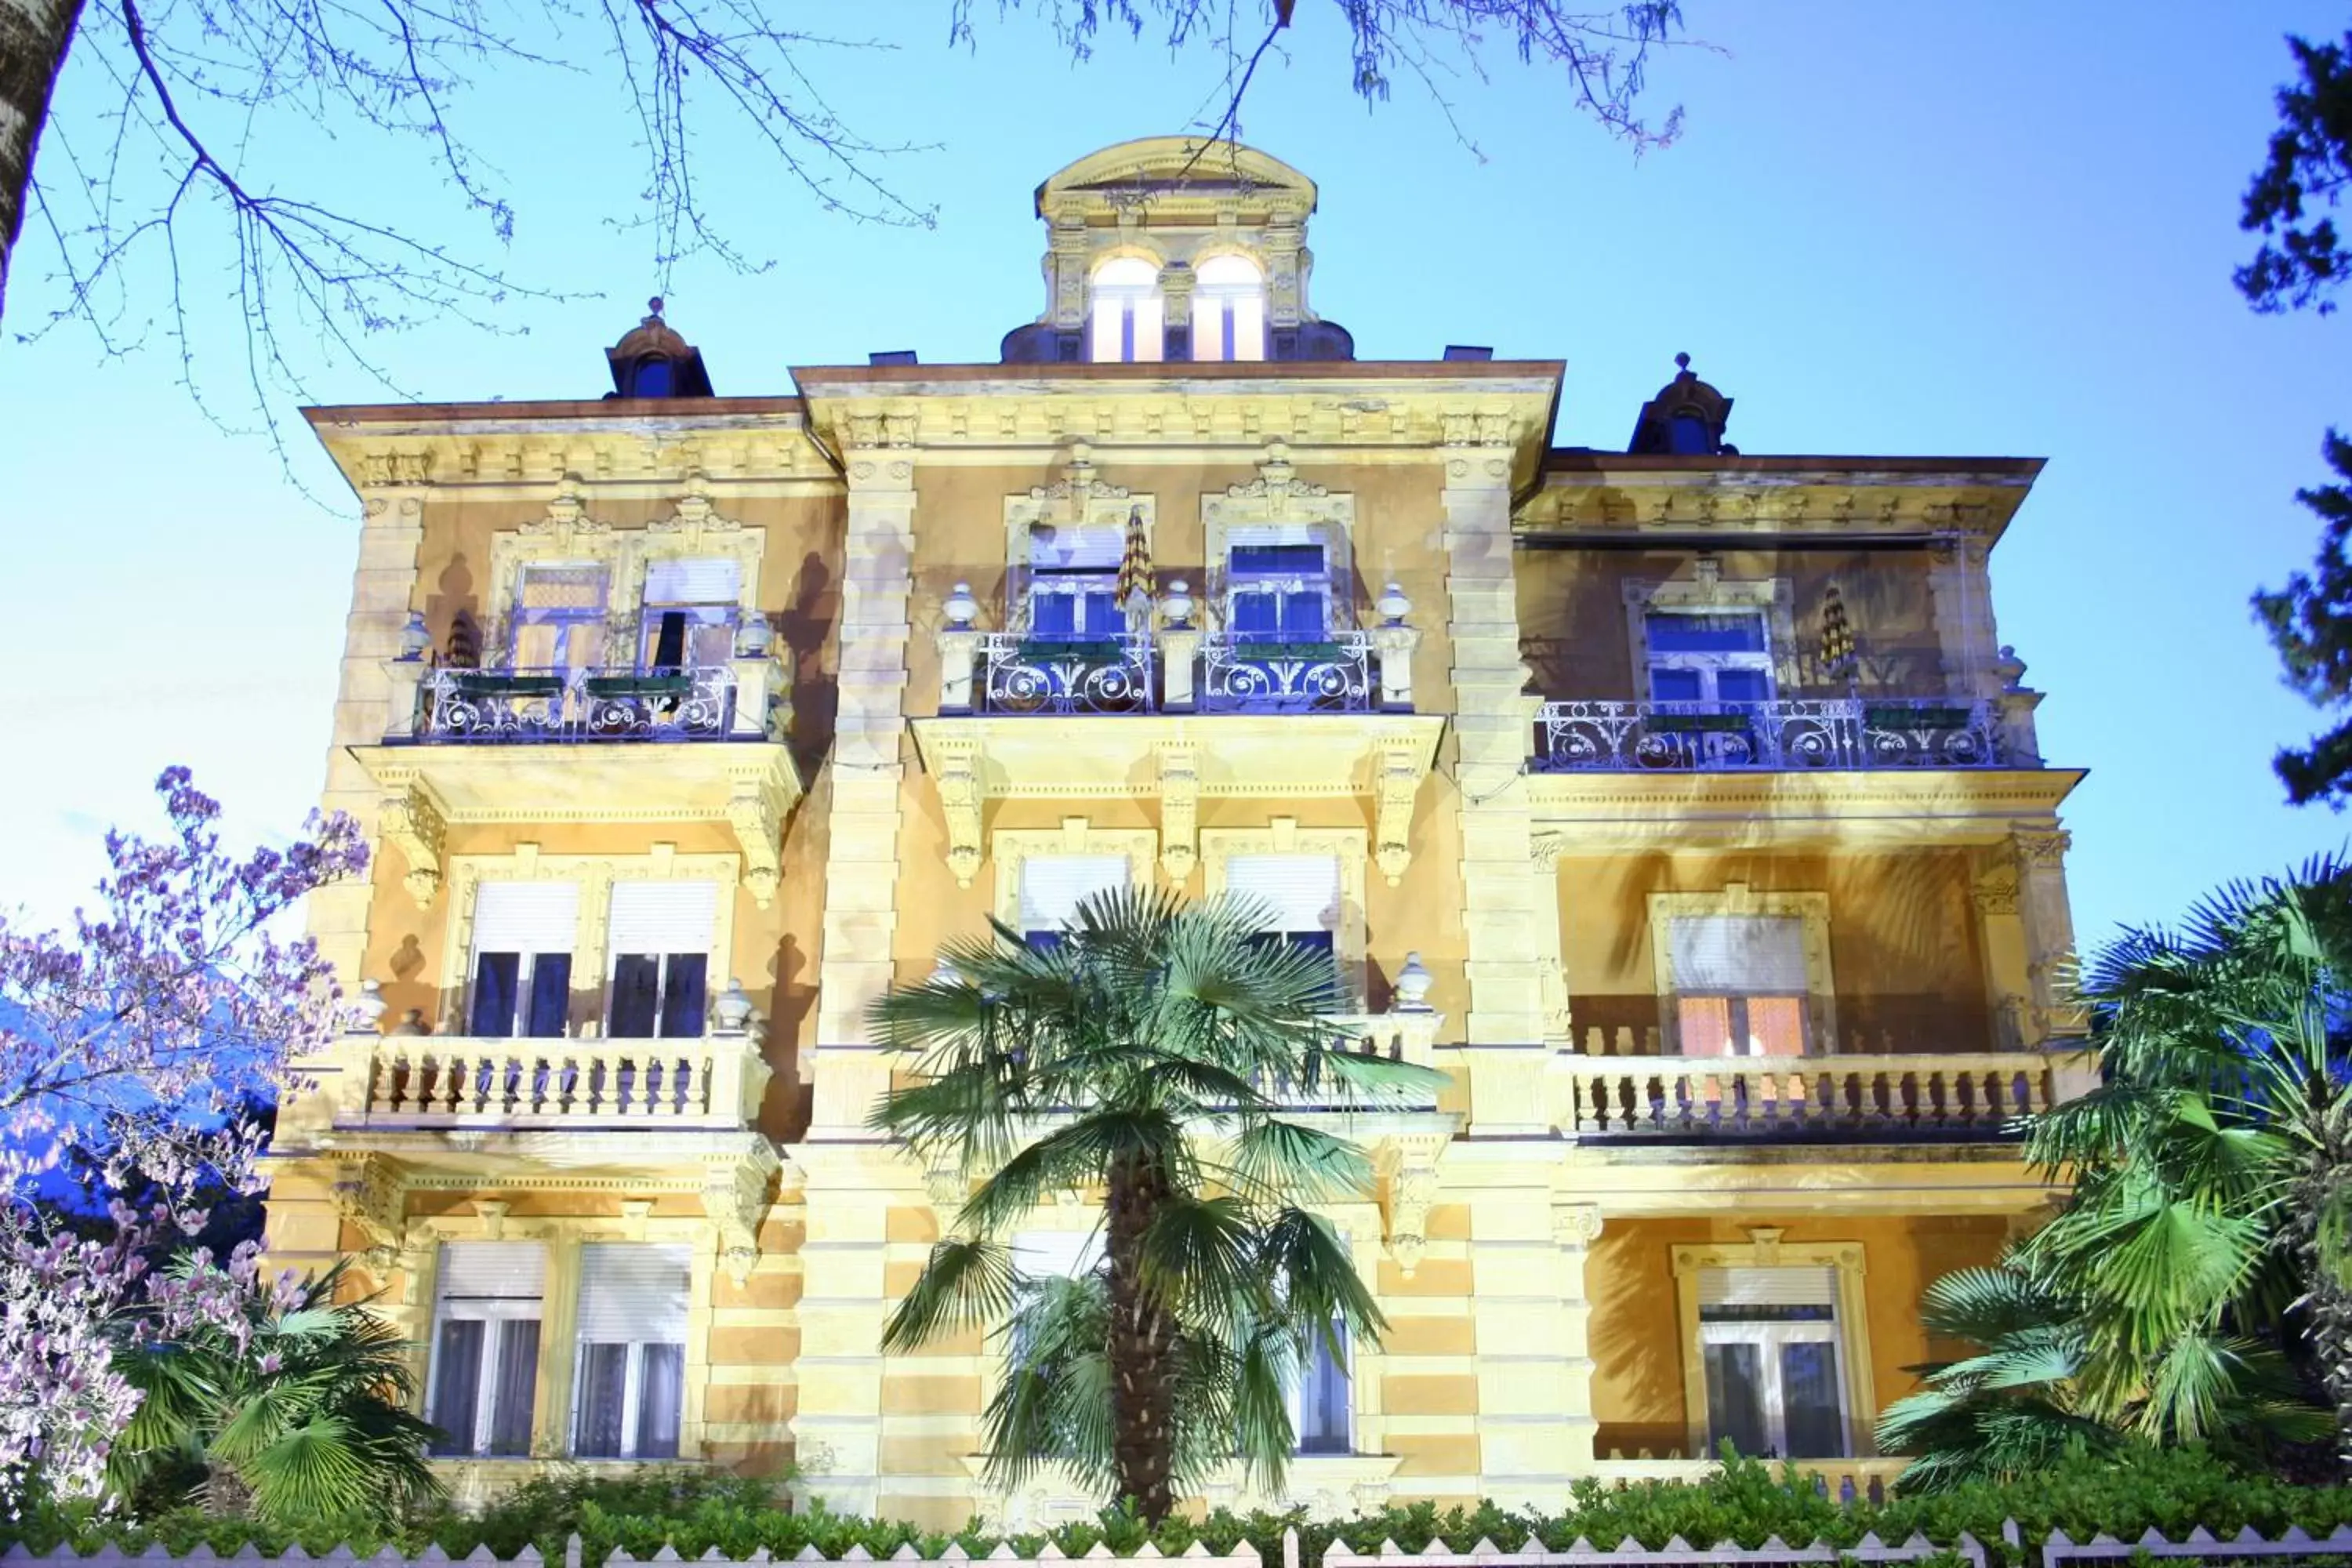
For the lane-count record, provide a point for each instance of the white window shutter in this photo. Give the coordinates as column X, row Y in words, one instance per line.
column 491, row 1270
column 1303, row 891
column 1768, row 1287
column 526, row 917
column 1754, row 955
column 634, row 1294
column 663, row 917
column 1076, row 547
column 694, row 580
column 1052, row 885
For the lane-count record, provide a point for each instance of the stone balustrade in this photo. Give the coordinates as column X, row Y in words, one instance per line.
column 420, row 1081
column 1830, row 1098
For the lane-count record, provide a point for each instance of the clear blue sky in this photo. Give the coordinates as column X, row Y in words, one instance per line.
column 1982, row 229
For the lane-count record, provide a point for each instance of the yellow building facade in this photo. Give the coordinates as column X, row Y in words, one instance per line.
column 1681, row 805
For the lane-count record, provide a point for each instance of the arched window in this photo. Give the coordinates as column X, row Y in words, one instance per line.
column 1125, row 323
column 1229, row 309
column 653, row 378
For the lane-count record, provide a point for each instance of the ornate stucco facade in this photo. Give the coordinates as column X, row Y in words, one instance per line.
column 1682, row 806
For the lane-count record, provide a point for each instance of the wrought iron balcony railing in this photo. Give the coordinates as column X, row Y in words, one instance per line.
column 587, row 704
column 1016, row 674
column 1792, row 735
column 1832, row 1099
column 1246, row 675
column 1175, row 669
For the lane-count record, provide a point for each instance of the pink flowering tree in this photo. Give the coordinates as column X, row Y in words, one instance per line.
column 134, row 1039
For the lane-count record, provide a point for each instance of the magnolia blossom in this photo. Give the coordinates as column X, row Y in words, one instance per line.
column 132, row 1038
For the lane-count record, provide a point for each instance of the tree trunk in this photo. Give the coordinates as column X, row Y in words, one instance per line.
column 34, row 38
column 1143, row 1362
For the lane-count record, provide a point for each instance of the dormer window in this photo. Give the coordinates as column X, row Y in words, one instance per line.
column 1229, row 309
column 1124, row 325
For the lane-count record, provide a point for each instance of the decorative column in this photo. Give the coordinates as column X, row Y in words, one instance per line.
column 1494, row 721
column 2049, row 931
column 1394, row 641
column 958, row 640
column 2001, row 933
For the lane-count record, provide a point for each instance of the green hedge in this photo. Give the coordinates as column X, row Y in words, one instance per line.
column 694, row 1511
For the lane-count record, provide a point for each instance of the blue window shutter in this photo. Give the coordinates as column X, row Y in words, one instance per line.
column 1257, row 614
column 1302, row 616
column 1102, row 618
column 1053, row 615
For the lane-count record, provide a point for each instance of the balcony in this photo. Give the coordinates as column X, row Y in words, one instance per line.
column 746, row 698
column 1916, row 1097
column 418, row 1082
column 1194, row 715
column 704, row 744
column 1795, row 735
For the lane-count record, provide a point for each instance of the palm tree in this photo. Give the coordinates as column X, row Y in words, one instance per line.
column 295, row 1412
column 2019, row 1403
column 2212, row 1171
column 1148, row 1059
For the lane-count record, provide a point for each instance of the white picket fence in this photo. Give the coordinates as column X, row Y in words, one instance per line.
column 1631, row 1554
column 2059, row 1550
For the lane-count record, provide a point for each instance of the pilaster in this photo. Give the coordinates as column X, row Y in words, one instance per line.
column 1494, row 721
column 867, row 775
column 1959, row 589
column 1534, row 1399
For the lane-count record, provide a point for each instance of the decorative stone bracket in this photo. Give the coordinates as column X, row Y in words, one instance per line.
column 1411, row 1190
column 1180, row 802
column 956, row 771
column 412, row 817
column 368, row 1194
column 759, row 797
column 1399, row 764
column 735, row 1194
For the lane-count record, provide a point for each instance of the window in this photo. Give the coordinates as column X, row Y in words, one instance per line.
column 1320, row 1409
column 559, row 617
column 1298, row 894
column 660, row 939
column 486, row 1315
column 1052, row 887
column 523, row 937
column 631, row 1381
column 689, row 613
column 1709, row 655
column 1229, row 309
column 1073, row 580
column 1740, row 985
column 1278, row 583
column 1769, row 1339
column 1126, row 312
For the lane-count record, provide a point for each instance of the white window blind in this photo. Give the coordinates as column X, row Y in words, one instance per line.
column 1303, row 891
column 1055, row 1254
column 1264, row 536
column 663, row 916
column 526, row 917
column 491, row 1272
column 1052, row 885
column 1768, row 1287
column 1076, row 547
column 1757, row 954
column 694, row 580
column 632, row 1293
